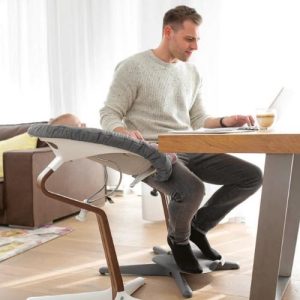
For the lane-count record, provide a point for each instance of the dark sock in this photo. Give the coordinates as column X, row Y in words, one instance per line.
column 200, row 240
column 184, row 257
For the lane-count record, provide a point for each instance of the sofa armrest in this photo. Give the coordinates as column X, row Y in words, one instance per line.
column 26, row 205
column 18, row 185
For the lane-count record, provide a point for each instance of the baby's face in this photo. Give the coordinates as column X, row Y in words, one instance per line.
column 71, row 121
column 75, row 122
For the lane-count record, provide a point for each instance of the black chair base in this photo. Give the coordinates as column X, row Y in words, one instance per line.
column 164, row 265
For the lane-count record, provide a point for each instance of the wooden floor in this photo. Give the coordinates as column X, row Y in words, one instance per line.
column 70, row 264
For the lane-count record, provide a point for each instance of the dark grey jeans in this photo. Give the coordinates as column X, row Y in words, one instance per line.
column 238, row 179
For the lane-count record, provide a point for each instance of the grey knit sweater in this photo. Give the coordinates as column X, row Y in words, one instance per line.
column 152, row 96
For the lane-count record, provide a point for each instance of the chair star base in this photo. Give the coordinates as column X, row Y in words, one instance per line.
column 165, row 265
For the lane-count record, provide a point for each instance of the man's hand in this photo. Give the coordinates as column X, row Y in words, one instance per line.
column 238, row 120
column 135, row 134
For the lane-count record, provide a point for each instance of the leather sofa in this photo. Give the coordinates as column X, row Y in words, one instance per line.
column 21, row 201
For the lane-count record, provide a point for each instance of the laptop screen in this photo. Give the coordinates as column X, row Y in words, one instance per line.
column 287, row 110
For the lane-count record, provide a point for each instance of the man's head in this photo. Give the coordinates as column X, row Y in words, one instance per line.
column 180, row 31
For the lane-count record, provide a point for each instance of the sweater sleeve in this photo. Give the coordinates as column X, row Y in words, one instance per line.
column 197, row 111
column 121, row 96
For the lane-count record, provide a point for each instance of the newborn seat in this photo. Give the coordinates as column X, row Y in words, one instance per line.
column 127, row 155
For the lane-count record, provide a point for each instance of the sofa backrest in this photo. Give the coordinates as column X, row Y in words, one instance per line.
column 11, row 130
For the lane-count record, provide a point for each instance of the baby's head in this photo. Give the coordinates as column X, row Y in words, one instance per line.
column 68, row 120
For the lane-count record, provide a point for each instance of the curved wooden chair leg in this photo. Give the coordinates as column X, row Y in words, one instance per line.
column 105, row 233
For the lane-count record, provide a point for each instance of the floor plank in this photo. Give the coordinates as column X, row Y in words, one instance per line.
column 70, row 263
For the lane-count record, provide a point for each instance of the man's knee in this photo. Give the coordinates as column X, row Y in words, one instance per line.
column 192, row 192
column 255, row 179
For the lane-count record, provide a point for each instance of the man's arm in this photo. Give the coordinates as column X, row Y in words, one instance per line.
column 198, row 114
column 121, row 96
column 229, row 121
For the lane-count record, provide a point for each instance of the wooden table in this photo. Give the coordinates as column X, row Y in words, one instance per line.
column 280, row 204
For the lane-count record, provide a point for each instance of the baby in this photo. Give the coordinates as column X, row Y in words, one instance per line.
column 68, row 120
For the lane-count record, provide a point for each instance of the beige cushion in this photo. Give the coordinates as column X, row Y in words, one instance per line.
column 20, row 142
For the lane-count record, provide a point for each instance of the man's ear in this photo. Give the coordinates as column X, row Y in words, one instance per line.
column 168, row 31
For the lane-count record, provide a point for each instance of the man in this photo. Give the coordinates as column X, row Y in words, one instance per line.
column 157, row 91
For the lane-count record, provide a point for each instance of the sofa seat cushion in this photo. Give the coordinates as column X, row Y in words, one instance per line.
column 20, row 142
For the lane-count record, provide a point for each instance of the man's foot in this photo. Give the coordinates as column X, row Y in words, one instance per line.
column 200, row 240
column 184, row 257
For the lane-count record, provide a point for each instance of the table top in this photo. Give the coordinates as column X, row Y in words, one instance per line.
column 249, row 142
